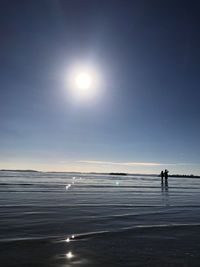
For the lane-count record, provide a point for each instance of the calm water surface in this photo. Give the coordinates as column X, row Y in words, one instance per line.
column 59, row 219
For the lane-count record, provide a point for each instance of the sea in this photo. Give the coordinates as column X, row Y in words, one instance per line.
column 74, row 219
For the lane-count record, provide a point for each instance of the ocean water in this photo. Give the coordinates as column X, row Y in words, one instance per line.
column 70, row 219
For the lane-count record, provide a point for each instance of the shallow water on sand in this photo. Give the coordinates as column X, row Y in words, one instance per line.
column 68, row 219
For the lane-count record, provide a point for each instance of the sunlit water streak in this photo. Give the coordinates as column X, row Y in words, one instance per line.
column 68, row 219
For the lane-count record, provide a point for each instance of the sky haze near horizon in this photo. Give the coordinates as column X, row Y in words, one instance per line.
column 146, row 116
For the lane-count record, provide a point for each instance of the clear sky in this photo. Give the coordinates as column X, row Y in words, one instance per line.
column 146, row 114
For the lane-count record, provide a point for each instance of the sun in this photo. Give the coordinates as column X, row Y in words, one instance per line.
column 83, row 83
column 83, row 80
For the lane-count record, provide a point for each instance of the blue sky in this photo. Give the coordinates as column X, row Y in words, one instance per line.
column 146, row 116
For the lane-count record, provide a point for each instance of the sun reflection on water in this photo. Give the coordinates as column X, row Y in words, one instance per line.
column 73, row 182
column 68, row 186
column 69, row 255
column 68, row 239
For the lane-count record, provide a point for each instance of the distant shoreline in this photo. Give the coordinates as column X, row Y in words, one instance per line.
column 6, row 170
column 184, row 176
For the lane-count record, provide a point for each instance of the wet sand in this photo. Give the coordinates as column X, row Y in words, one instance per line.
column 154, row 246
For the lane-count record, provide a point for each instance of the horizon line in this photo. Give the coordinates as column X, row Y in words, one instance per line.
column 106, row 173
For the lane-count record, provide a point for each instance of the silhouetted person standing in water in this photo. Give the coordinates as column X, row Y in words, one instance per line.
column 166, row 177
column 162, row 176
column 166, row 174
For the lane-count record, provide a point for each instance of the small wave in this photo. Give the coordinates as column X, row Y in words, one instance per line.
column 28, row 239
column 98, row 234
column 88, row 205
column 95, row 234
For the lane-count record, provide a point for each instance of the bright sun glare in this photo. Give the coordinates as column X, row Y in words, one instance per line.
column 83, row 83
column 83, row 80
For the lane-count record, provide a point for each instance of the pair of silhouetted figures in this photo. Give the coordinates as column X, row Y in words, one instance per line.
column 164, row 174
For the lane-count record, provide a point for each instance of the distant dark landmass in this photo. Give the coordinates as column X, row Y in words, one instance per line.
column 117, row 173
column 5, row 170
column 184, row 175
